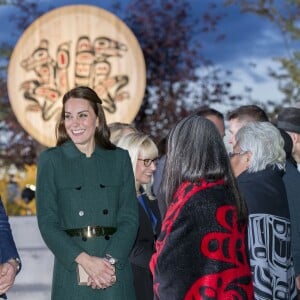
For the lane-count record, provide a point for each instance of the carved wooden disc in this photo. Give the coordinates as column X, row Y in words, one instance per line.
column 71, row 46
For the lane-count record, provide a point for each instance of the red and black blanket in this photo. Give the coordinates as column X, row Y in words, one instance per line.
column 201, row 252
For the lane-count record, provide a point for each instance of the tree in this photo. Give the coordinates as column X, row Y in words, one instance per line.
column 16, row 146
column 286, row 15
column 179, row 77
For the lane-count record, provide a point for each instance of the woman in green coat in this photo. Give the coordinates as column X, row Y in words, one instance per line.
column 86, row 204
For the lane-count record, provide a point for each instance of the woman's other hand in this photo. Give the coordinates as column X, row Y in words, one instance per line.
column 101, row 272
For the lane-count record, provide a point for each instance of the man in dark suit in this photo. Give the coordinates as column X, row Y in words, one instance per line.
column 289, row 121
column 10, row 263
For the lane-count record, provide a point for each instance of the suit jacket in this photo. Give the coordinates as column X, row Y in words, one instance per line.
column 143, row 249
column 75, row 191
column 157, row 179
column 269, row 226
column 144, row 244
column 291, row 180
column 8, row 248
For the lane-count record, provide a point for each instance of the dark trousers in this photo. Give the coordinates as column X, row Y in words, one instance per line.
column 143, row 283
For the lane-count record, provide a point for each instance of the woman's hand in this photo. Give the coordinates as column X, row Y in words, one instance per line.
column 8, row 273
column 101, row 272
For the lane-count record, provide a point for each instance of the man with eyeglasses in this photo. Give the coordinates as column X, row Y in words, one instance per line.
column 238, row 118
column 242, row 116
column 258, row 161
column 10, row 263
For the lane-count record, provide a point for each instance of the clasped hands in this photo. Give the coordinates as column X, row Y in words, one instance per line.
column 8, row 273
column 102, row 274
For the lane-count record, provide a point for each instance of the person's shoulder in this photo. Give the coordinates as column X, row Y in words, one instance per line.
column 48, row 154
column 50, row 151
column 245, row 176
column 117, row 152
column 291, row 175
column 291, row 168
column 210, row 198
column 204, row 204
column 116, row 155
column 114, row 149
column 216, row 191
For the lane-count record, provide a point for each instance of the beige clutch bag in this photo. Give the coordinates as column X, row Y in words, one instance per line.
column 82, row 276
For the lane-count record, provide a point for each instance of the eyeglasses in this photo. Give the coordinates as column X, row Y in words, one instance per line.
column 148, row 161
column 232, row 154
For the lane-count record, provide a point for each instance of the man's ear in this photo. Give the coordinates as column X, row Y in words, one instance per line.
column 248, row 156
column 294, row 136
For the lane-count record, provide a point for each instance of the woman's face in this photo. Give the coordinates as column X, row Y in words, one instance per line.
column 240, row 160
column 145, row 167
column 80, row 123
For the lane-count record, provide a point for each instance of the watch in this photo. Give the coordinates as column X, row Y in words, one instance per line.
column 110, row 259
column 16, row 261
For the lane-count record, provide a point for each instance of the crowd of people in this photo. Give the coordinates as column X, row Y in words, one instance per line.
column 191, row 217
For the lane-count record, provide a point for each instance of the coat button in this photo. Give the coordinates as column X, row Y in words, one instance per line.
column 81, row 213
column 105, row 211
column 107, row 237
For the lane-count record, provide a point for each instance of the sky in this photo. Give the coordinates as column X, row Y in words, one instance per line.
column 249, row 40
column 251, row 45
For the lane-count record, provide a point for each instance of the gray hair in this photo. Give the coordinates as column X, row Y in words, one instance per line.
column 265, row 143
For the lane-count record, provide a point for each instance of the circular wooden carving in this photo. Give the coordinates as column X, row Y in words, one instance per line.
column 71, row 46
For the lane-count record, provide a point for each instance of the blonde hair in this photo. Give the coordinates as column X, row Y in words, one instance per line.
column 136, row 144
column 118, row 129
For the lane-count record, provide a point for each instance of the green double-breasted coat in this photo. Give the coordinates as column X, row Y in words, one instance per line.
column 74, row 191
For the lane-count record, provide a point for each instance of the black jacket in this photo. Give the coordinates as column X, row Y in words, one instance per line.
column 269, row 234
column 143, row 249
column 291, row 180
column 264, row 192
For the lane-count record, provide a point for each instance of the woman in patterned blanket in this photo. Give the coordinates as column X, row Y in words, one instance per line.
column 202, row 249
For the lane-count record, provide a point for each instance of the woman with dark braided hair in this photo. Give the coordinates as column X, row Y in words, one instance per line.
column 86, row 204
